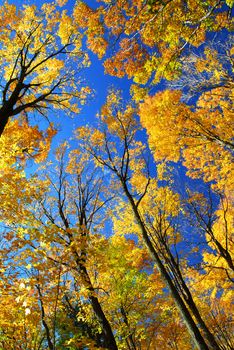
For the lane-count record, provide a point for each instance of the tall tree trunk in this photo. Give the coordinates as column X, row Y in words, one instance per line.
column 193, row 329
column 187, row 296
column 108, row 336
column 45, row 325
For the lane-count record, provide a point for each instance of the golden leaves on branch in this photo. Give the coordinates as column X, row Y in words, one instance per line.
column 179, row 131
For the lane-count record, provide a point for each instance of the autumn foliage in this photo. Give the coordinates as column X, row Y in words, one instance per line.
column 119, row 236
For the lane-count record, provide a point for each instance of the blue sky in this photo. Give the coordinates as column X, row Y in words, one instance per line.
column 93, row 76
column 98, row 81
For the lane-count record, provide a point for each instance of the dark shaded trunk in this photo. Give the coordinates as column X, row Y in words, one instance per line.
column 109, row 339
column 7, row 109
column 187, row 296
column 224, row 253
column 3, row 121
column 82, row 326
column 129, row 340
column 193, row 329
column 45, row 325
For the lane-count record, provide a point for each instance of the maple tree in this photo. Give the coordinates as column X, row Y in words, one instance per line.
column 55, row 225
column 37, row 46
column 101, row 247
column 149, row 37
column 67, row 248
column 115, row 147
column 62, row 241
column 205, row 145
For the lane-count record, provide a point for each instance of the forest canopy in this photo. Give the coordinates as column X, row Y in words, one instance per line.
column 116, row 175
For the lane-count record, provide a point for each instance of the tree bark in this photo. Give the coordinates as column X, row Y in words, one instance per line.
column 45, row 325
column 108, row 336
column 193, row 329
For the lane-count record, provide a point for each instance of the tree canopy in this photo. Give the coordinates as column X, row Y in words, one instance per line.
column 120, row 234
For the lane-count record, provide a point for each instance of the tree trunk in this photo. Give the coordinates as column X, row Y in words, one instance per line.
column 3, row 120
column 109, row 339
column 193, row 329
column 48, row 336
column 192, row 306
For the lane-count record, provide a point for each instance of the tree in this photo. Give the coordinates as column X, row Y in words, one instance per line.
column 116, row 148
column 102, row 248
column 63, row 232
column 216, row 223
column 146, row 39
column 178, row 131
column 38, row 47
